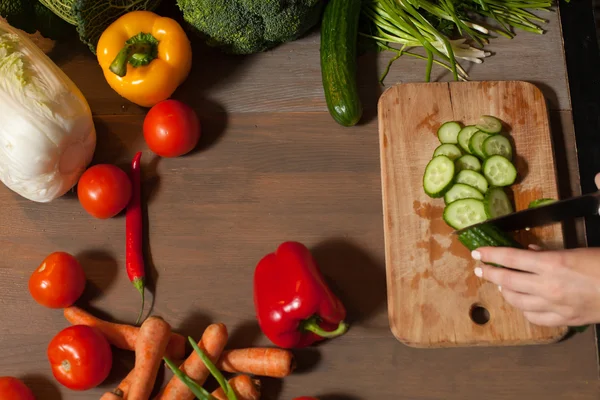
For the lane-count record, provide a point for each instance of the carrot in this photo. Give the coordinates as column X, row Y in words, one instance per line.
column 114, row 395
column 121, row 335
column 213, row 342
column 149, row 350
column 272, row 362
column 244, row 388
column 122, row 390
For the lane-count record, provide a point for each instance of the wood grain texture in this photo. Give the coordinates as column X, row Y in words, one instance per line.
column 431, row 285
column 266, row 178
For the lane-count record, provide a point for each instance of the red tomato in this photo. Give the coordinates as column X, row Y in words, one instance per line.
column 58, row 281
column 171, row 128
column 80, row 357
column 104, row 190
column 14, row 389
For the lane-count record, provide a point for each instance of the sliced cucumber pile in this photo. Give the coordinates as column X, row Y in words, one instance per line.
column 461, row 191
column 470, row 169
column 476, row 143
column 465, row 135
column 448, row 132
column 438, row 176
column 468, row 162
column 449, row 150
column 497, row 203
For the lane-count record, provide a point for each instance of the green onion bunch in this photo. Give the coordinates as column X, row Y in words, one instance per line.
column 447, row 30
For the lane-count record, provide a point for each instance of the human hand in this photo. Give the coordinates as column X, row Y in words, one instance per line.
column 551, row 287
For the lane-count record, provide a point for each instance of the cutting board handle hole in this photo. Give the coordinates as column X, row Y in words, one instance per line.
column 479, row 314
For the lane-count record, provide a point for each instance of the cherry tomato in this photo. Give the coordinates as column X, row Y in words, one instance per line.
column 104, row 190
column 171, row 128
column 58, row 281
column 80, row 357
column 12, row 388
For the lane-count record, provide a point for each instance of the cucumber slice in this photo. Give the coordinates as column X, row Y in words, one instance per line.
column 448, row 132
column 476, row 143
column 465, row 212
column 465, row 135
column 489, row 124
column 497, row 145
column 462, row 191
column 499, row 171
column 497, row 203
column 540, row 202
column 449, row 150
column 473, row 179
column 438, row 176
column 468, row 162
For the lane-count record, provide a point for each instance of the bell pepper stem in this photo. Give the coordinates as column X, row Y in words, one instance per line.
column 139, row 50
column 312, row 325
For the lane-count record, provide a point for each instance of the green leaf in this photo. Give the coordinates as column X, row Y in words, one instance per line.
column 196, row 389
column 227, row 389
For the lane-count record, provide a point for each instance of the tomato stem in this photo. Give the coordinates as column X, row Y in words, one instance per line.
column 65, row 365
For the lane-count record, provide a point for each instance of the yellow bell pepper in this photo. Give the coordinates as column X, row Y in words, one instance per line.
column 144, row 57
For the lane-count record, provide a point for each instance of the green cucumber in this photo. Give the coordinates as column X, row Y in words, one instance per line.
column 468, row 162
column 462, row 191
column 438, row 176
column 449, row 150
column 497, row 145
column 448, row 132
column 339, row 34
column 476, row 143
column 497, row 203
column 487, row 235
column 473, row 179
column 464, row 212
column 489, row 124
column 540, row 202
column 499, row 171
column 465, row 135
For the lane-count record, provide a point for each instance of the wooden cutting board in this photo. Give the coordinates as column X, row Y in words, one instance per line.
column 434, row 298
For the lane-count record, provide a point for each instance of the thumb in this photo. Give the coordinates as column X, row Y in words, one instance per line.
column 597, row 180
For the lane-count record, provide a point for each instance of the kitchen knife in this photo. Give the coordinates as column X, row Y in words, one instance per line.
column 579, row 206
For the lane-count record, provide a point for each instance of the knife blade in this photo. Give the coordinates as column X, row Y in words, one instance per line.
column 574, row 207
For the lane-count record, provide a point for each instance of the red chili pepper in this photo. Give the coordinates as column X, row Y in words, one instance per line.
column 134, row 257
column 293, row 304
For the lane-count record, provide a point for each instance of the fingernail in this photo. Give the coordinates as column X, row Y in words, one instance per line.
column 478, row 272
column 500, row 288
column 476, row 255
column 535, row 247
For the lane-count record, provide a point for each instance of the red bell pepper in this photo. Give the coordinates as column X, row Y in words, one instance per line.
column 294, row 306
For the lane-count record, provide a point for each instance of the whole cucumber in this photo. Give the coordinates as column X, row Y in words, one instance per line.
column 339, row 33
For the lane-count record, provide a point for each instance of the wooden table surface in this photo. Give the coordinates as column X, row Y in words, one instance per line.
column 273, row 166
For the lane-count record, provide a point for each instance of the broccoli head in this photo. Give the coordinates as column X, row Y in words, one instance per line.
column 250, row 26
column 32, row 16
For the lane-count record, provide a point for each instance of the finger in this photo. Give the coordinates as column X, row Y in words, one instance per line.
column 526, row 302
column 535, row 247
column 524, row 260
column 545, row 318
column 597, row 180
column 512, row 280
